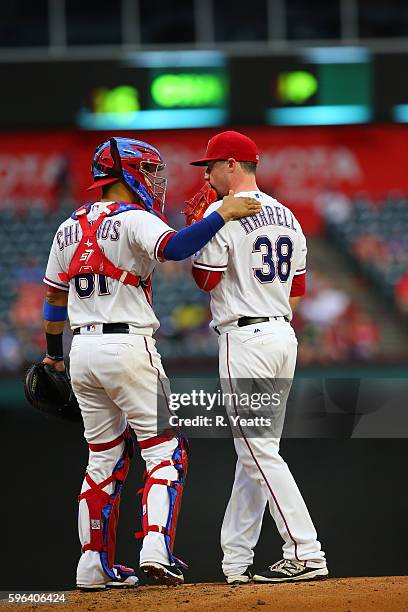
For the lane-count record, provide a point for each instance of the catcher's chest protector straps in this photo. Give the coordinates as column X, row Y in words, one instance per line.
column 104, row 508
column 89, row 257
column 175, row 490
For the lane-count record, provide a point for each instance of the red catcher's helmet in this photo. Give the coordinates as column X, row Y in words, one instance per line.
column 136, row 163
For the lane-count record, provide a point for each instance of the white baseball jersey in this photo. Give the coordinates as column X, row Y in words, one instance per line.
column 259, row 256
column 131, row 241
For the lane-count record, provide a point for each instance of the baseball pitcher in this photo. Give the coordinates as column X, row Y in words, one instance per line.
column 255, row 269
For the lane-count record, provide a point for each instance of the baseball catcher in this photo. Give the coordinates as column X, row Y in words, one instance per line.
column 99, row 276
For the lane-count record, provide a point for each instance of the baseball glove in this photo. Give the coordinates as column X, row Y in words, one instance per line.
column 198, row 204
column 50, row 391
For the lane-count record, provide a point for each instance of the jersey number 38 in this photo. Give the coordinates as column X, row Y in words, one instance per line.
column 279, row 265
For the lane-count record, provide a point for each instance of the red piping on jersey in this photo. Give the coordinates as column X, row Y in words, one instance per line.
column 89, row 257
column 50, row 283
column 255, row 459
column 161, row 243
column 198, row 264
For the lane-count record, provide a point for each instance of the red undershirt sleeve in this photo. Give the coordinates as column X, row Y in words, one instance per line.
column 206, row 280
column 298, row 285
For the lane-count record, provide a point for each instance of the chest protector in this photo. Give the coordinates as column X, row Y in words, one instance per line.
column 89, row 257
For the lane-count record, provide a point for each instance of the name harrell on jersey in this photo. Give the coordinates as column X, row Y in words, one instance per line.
column 259, row 257
column 131, row 240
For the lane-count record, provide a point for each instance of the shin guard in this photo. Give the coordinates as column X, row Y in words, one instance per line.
column 175, row 491
column 104, row 508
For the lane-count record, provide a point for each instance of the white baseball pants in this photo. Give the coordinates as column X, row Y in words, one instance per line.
column 261, row 474
column 116, row 379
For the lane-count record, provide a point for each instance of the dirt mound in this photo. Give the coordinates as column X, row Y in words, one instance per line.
column 334, row 595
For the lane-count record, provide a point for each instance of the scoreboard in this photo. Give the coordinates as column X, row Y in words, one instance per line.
column 326, row 86
column 192, row 89
column 159, row 90
column 322, row 88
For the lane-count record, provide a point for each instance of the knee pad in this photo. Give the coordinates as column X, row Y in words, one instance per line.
column 104, row 508
column 179, row 460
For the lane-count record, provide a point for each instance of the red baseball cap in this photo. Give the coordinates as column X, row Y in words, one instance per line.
column 226, row 145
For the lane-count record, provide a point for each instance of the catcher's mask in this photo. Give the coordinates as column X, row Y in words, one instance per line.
column 136, row 163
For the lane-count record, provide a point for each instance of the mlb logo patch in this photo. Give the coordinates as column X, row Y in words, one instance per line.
column 95, row 524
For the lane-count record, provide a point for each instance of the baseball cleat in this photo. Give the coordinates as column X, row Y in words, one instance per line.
column 243, row 578
column 91, row 587
column 291, row 571
column 164, row 574
column 126, row 578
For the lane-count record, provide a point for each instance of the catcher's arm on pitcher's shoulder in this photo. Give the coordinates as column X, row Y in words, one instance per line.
column 231, row 208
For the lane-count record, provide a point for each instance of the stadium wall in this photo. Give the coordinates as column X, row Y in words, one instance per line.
column 297, row 164
column 352, row 487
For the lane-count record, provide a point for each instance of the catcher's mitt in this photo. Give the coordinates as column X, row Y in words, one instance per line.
column 198, row 204
column 50, row 391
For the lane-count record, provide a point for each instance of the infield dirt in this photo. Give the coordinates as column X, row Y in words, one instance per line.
column 379, row 594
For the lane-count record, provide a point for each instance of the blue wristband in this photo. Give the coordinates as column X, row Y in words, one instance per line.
column 54, row 313
column 191, row 239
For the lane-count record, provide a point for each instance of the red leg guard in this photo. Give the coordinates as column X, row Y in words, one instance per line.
column 104, row 508
column 183, row 465
column 175, row 490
